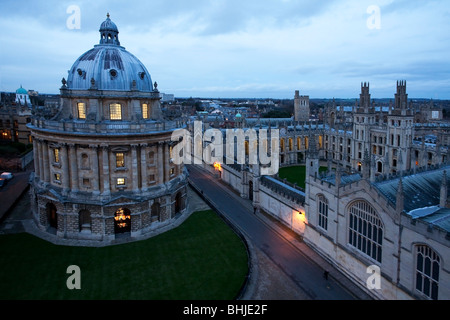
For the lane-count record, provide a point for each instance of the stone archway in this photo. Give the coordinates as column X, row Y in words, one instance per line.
column 178, row 203
column 84, row 220
column 155, row 212
column 52, row 215
column 122, row 221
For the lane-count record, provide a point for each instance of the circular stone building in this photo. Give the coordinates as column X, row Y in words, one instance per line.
column 103, row 164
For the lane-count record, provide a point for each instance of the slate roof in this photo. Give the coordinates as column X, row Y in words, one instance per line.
column 421, row 195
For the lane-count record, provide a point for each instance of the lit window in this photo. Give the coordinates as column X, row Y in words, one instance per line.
column 120, row 160
column 145, row 111
column 57, row 177
column 56, row 155
column 172, row 171
column 120, row 181
column 81, row 110
column 365, row 230
column 427, row 271
column 323, row 212
column 115, row 111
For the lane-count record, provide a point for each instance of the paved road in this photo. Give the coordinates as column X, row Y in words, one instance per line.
column 12, row 191
column 307, row 275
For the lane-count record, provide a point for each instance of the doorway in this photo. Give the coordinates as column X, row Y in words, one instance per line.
column 122, row 221
column 52, row 215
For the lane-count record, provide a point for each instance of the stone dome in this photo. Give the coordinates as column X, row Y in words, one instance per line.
column 108, row 66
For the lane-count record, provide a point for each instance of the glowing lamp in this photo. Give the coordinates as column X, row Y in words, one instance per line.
column 217, row 166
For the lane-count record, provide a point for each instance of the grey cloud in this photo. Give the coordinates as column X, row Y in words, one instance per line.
column 216, row 17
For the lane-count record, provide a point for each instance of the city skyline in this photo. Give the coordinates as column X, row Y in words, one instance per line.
column 225, row 49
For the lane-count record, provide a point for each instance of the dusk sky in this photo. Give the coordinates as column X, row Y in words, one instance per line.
column 241, row 49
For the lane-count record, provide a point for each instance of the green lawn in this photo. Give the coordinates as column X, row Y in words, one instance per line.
column 296, row 174
column 201, row 259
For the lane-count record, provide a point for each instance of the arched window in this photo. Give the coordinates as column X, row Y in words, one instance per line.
column 427, row 271
column 379, row 167
column 365, row 229
column 323, row 212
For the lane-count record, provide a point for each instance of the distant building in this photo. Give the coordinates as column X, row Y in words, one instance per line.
column 15, row 113
column 165, row 97
column 22, row 97
column 301, row 107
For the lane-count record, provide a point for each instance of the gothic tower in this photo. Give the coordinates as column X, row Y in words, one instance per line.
column 400, row 131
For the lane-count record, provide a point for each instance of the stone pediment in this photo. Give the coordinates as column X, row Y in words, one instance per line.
column 120, row 149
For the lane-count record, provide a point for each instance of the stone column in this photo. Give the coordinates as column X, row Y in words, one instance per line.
column 166, row 163
column 65, row 169
column 41, row 161
column 160, row 163
column 134, row 168
column 105, row 173
column 73, row 160
column 45, row 152
column 95, row 173
column 36, row 158
column 51, row 160
column 144, row 177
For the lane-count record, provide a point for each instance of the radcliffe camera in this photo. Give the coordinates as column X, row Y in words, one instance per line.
column 224, row 159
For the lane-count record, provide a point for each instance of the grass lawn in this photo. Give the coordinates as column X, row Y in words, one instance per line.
column 296, row 174
column 201, row 259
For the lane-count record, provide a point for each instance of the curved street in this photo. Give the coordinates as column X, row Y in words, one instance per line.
column 288, row 257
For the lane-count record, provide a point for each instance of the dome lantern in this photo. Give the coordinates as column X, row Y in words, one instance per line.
column 109, row 33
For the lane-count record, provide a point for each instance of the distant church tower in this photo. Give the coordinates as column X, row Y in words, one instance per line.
column 301, row 107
